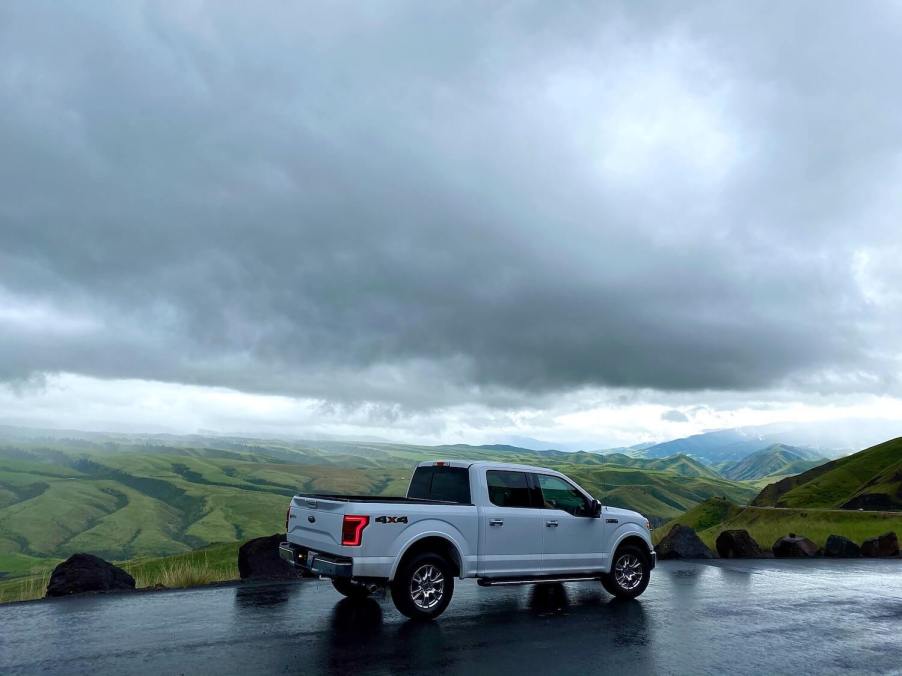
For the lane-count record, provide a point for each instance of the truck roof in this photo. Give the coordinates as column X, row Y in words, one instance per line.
column 485, row 464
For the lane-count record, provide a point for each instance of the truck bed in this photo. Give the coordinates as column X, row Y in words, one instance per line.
column 377, row 499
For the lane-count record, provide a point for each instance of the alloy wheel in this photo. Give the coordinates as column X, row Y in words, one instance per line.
column 427, row 586
column 628, row 572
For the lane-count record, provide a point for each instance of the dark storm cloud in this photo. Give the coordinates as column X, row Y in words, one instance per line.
column 423, row 204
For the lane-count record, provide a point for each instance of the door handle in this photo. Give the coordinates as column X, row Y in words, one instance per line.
column 496, row 522
column 551, row 524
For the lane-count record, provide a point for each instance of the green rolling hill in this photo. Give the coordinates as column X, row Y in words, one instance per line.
column 870, row 479
column 776, row 461
column 681, row 465
column 124, row 497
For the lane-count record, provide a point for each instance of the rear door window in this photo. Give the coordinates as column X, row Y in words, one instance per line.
column 509, row 489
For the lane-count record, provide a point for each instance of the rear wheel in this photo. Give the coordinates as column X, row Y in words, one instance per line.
column 629, row 574
column 353, row 589
column 423, row 587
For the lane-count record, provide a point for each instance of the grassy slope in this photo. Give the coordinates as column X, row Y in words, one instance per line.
column 708, row 514
column 876, row 470
column 160, row 505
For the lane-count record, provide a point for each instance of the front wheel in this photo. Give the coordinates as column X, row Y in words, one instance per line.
column 629, row 574
column 423, row 587
column 352, row 588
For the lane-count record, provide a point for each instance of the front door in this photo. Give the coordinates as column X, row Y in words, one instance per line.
column 574, row 541
column 510, row 529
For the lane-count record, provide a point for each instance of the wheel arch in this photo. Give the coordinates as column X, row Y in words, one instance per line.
column 433, row 543
column 630, row 534
column 631, row 539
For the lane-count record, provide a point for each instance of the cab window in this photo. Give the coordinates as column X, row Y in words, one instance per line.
column 508, row 489
column 448, row 484
column 559, row 494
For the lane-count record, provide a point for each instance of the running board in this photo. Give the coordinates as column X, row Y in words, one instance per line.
column 497, row 582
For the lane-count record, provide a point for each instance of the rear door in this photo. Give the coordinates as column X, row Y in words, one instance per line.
column 573, row 540
column 510, row 529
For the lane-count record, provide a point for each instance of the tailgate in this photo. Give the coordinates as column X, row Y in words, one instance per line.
column 315, row 523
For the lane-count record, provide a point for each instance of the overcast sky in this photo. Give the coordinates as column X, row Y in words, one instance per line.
column 582, row 223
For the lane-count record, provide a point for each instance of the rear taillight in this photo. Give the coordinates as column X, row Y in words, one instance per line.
column 287, row 516
column 352, row 529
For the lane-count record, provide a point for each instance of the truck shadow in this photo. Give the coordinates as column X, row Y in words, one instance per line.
column 264, row 595
column 360, row 639
column 549, row 599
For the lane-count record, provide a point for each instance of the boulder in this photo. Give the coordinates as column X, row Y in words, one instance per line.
column 82, row 573
column 737, row 544
column 794, row 546
column 259, row 559
column 882, row 545
column 682, row 543
column 839, row 547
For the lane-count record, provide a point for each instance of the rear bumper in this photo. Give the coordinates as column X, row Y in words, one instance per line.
column 652, row 559
column 315, row 562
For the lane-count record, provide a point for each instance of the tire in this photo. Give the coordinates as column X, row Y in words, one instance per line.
column 629, row 574
column 351, row 588
column 423, row 587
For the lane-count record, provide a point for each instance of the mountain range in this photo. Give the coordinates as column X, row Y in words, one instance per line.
column 828, row 439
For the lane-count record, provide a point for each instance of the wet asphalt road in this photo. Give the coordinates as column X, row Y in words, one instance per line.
column 751, row 617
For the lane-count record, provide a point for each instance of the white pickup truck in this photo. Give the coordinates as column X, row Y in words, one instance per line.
column 500, row 523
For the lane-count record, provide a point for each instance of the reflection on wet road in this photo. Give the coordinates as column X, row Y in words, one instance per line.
column 762, row 617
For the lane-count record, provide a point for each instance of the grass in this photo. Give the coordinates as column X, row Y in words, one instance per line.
column 17, row 565
column 25, row 588
column 217, row 563
column 708, row 514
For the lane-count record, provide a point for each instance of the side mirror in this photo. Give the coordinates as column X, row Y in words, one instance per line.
column 596, row 508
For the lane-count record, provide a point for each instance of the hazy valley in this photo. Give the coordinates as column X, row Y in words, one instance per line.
column 134, row 497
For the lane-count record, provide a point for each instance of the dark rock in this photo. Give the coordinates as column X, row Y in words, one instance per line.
column 682, row 543
column 882, row 545
column 794, row 546
column 737, row 544
column 82, row 573
column 259, row 559
column 839, row 547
